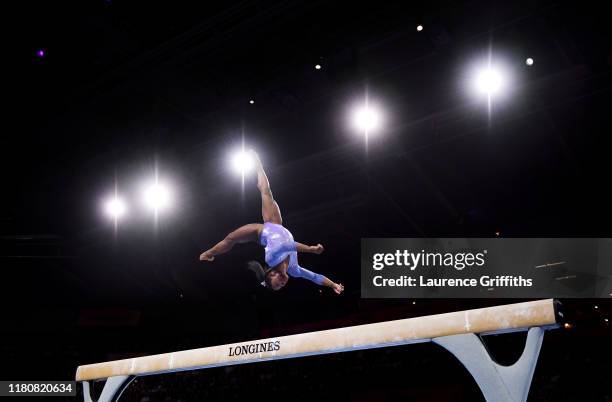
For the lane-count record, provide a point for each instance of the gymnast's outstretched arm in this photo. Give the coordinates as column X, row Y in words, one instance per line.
column 319, row 279
column 302, row 248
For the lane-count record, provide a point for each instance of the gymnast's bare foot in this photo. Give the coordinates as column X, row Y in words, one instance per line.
column 256, row 159
column 207, row 256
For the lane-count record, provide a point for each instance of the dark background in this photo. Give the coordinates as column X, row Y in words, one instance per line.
column 127, row 86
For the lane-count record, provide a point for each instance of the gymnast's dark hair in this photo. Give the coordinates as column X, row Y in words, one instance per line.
column 261, row 274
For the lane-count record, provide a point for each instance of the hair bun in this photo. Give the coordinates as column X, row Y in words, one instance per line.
column 258, row 270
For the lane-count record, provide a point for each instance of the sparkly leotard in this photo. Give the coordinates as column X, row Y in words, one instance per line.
column 279, row 245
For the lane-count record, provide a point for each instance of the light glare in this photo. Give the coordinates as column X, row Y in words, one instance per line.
column 157, row 196
column 115, row 208
column 366, row 118
column 489, row 81
column 242, row 162
column 529, row 61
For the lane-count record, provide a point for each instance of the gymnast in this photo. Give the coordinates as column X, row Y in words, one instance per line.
column 280, row 248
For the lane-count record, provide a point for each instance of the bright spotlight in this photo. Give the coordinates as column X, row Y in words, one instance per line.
column 157, row 196
column 529, row 61
column 115, row 208
column 318, row 66
column 242, row 162
column 419, row 28
column 489, row 81
column 366, row 118
column 252, row 102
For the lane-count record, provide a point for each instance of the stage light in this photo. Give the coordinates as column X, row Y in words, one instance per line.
column 529, row 61
column 490, row 81
column 40, row 53
column 366, row 118
column 115, row 208
column 157, row 196
column 318, row 66
column 242, row 162
column 419, row 28
column 251, row 101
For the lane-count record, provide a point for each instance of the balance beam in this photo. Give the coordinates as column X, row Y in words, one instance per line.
column 454, row 331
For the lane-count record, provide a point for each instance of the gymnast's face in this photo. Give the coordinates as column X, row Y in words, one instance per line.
column 277, row 279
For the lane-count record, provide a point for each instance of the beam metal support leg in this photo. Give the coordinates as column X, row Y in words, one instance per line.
column 113, row 387
column 498, row 383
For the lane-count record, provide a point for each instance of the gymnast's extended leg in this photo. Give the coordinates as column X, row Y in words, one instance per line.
column 243, row 234
column 269, row 208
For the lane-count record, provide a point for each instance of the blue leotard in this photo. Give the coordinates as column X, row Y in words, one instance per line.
column 279, row 245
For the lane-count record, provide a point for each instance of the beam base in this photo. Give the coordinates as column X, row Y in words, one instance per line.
column 498, row 383
column 113, row 387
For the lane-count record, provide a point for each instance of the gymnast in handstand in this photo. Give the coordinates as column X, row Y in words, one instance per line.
column 280, row 248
